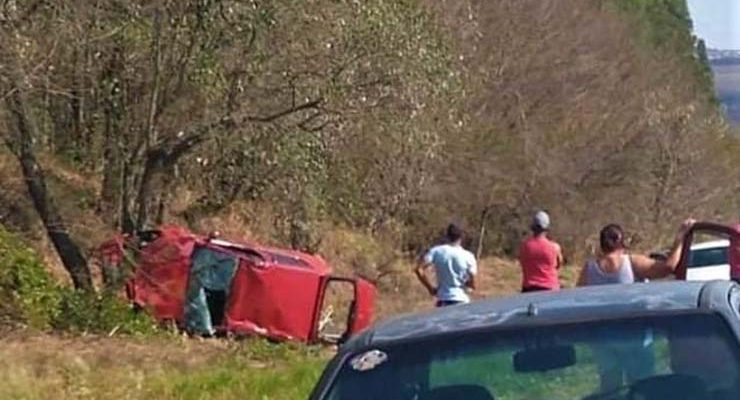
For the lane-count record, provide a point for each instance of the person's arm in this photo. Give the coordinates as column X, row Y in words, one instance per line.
column 650, row 268
column 471, row 283
column 421, row 273
column 472, row 272
column 560, row 260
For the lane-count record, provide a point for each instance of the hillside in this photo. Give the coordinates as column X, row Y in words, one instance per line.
column 357, row 130
column 546, row 104
column 598, row 111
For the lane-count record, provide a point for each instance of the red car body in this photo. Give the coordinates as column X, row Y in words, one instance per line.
column 273, row 292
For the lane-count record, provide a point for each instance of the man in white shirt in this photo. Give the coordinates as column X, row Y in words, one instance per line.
column 454, row 267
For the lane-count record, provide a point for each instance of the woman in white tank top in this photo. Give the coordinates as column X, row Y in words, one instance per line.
column 630, row 360
column 615, row 265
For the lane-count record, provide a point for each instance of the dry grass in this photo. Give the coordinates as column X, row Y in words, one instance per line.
column 498, row 277
column 45, row 367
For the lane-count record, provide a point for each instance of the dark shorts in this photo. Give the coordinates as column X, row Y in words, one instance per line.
column 528, row 289
column 445, row 303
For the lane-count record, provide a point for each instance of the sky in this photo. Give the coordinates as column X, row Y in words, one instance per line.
column 717, row 22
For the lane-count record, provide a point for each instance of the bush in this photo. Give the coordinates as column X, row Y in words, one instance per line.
column 80, row 311
column 30, row 297
column 28, row 294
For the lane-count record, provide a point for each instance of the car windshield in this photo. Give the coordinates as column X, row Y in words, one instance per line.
column 708, row 257
column 661, row 357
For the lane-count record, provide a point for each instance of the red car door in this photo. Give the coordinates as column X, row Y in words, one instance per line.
column 363, row 307
column 359, row 308
column 273, row 300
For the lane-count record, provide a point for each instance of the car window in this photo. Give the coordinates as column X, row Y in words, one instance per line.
column 634, row 358
column 708, row 257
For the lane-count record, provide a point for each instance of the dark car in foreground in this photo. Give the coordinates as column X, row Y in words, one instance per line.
column 655, row 341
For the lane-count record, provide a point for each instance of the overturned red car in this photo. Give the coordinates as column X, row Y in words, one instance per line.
column 209, row 286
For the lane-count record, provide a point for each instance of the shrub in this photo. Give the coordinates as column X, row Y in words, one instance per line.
column 28, row 294
column 30, row 297
column 100, row 313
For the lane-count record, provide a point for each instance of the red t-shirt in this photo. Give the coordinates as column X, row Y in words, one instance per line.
column 539, row 259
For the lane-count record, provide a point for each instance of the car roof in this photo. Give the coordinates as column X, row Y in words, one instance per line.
column 540, row 308
column 710, row 244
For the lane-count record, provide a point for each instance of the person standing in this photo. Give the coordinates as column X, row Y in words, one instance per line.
column 617, row 265
column 633, row 358
column 540, row 257
column 455, row 269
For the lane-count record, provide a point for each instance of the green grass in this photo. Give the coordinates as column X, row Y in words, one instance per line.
column 495, row 372
column 45, row 367
column 237, row 380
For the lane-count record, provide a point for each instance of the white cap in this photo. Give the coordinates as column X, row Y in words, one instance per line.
column 541, row 220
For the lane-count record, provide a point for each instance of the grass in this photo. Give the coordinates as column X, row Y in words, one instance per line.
column 44, row 367
column 494, row 371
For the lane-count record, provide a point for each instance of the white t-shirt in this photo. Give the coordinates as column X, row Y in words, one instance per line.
column 453, row 265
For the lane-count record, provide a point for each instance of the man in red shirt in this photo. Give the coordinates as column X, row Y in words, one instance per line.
column 540, row 257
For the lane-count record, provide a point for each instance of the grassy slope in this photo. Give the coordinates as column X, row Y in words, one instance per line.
column 44, row 367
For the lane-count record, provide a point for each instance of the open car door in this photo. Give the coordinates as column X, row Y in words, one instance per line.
column 710, row 262
column 346, row 308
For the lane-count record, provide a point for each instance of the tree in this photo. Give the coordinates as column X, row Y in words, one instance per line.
column 21, row 143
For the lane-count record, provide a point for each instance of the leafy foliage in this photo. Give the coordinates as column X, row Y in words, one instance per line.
column 666, row 26
column 83, row 312
column 28, row 295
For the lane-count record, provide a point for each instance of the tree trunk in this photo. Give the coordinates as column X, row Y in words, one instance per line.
column 482, row 232
column 108, row 205
column 112, row 187
column 22, row 145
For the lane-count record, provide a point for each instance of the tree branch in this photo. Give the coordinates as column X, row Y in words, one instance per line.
column 312, row 104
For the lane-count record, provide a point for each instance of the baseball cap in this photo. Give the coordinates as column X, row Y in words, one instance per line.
column 541, row 220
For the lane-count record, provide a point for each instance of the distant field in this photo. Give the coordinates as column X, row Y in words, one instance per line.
column 727, row 81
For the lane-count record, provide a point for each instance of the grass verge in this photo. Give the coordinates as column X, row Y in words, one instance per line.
column 45, row 367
